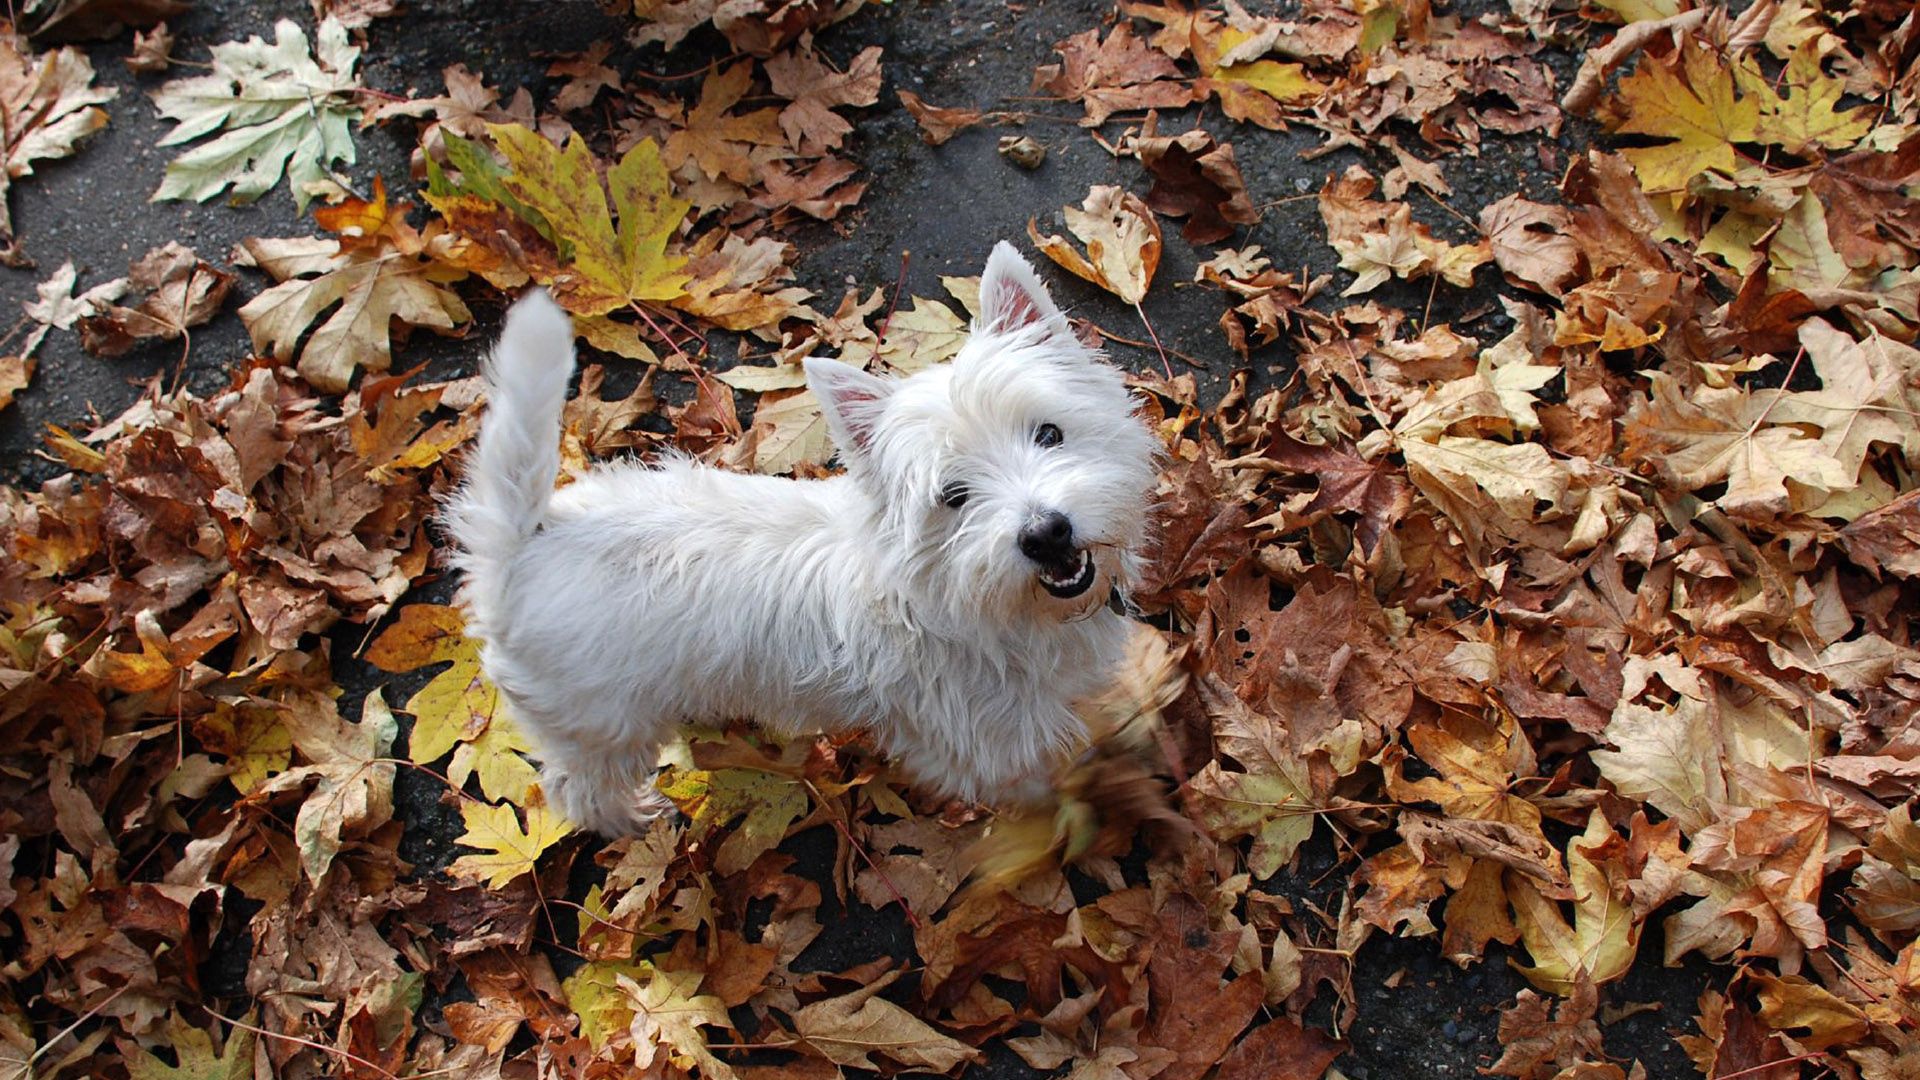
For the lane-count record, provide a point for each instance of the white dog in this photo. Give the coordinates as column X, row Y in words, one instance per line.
column 949, row 592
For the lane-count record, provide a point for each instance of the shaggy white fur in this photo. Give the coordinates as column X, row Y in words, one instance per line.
column 950, row 591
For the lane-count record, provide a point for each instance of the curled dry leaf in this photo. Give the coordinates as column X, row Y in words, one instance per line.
column 939, row 123
column 181, row 290
column 1197, row 179
column 1122, row 239
column 152, row 51
column 852, row 1030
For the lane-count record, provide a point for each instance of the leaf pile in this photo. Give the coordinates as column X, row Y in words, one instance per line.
column 1558, row 632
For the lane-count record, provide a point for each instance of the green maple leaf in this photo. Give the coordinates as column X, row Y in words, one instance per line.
column 594, row 995
column 604, row 266
column 285, row 110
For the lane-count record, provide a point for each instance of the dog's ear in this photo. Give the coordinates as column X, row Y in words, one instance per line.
column 1012, row 298
column 851, row 399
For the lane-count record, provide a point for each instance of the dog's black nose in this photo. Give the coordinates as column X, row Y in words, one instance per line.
column 1047, row 537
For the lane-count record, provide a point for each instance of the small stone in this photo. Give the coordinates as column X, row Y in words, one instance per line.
column 1465, row 1036
column 1022, row 150
column 1302, row 185
column 1450, row 1029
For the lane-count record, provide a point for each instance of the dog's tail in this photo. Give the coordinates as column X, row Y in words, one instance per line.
column 517, row 456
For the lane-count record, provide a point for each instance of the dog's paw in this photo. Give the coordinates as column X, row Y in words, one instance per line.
column 611, row 810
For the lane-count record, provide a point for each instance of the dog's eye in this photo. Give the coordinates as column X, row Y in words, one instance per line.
column 1047, row 435
column 954, row 495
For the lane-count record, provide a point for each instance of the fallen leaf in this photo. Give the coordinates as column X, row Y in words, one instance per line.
column 608, row 267
column 181, row 291
column 55, row 105
column 508, row 848
column 939, row 123
column 814, row 89
column 1122, row 239
column 850, row 1030
column 285, row 110
column 1107, row 76
column 376, row 277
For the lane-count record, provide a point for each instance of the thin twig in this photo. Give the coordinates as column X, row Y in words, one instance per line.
column 1165, row 365
column 899, row 286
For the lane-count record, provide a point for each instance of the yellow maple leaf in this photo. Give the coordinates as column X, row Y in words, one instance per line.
column 1257, row 91
column 768, row 802
column 1694, row 103
column 1603, row 937
column 668, row 1015
column 1806, row 117
column 458, row 710
column 508, row 848
column 603, row 267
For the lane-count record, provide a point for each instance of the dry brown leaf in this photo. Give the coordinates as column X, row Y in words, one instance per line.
column 1122, row 240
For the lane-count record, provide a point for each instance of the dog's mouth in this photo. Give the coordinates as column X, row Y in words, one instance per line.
column 1069, row 579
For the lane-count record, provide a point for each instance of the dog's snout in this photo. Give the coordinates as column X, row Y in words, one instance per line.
column 1047, row 537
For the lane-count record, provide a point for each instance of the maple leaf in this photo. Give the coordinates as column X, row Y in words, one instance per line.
column 253, row 740
column 1695, row 103
column 196, row 1060
column 508, row 847
column 1379, row 240
column 587, row 75
column 1191, row 1009
column 458, row 710
column 1199, row 180
column 1255, row 90
column 594, row 994
column 1280, row 1049
column 814, row 90
column 849, row 1030
column 789, row 430
column 1601, row 942
column 1536, row 1046
column 770, row 803
column 919, row 337
column 667, row 1013
column 53, row 105
column 353, row 792
column 1272, row 800
column 1121, row 72
column 1477, row 766
column 285, row 109
column 1530, row 243
column 1712, row 435
column 1806, row 117
column 1122, row 239
column 717, row 143
column 603, row 268
column 376, row 273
